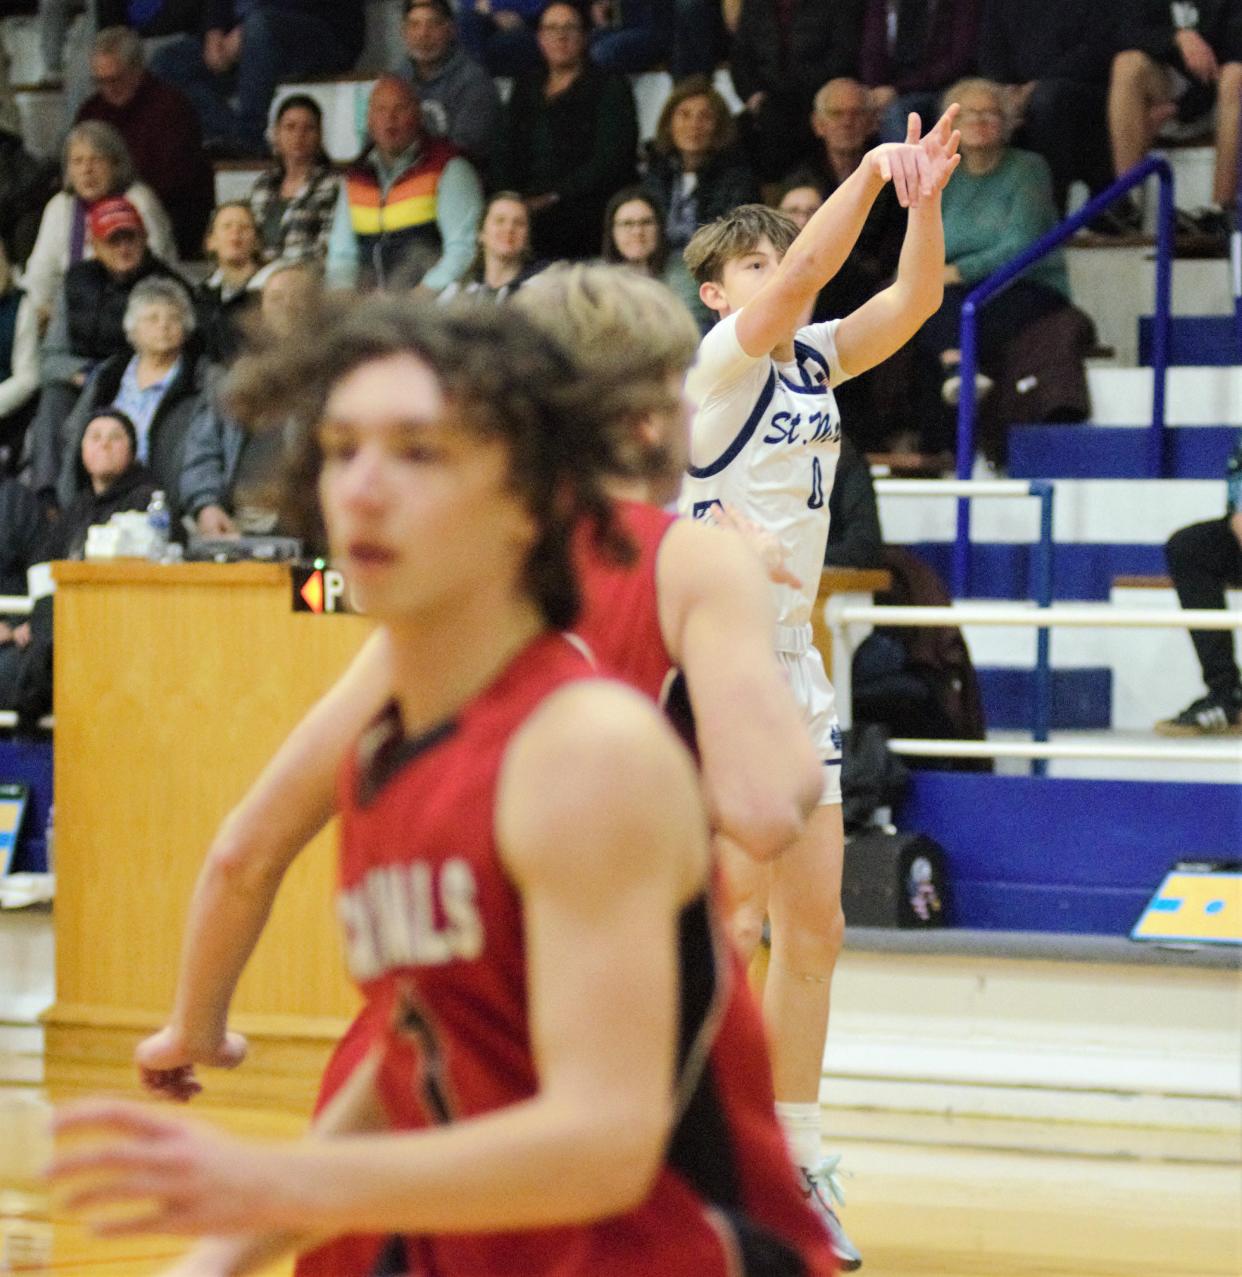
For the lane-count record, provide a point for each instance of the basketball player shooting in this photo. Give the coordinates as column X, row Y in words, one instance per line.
column 764, row 445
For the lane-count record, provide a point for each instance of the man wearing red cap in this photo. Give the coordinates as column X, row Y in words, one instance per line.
column 88, row 324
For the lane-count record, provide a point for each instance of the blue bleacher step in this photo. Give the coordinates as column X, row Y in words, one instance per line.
column 1201, row 341
column 1081, row 698
column 1115, row 452
column 1082, row 571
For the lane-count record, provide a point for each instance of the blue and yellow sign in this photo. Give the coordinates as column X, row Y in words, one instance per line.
column 1198, row 907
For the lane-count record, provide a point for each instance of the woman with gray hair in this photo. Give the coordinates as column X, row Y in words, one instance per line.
column 157, row 384
column 96, row 165
column 998, row 204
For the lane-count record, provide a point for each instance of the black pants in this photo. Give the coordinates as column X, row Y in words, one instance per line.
column 1203, row 559
column 997, row 323
column 1067, row 123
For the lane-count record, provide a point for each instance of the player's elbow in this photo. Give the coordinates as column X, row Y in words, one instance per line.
column 765, row 825
column 243, row 861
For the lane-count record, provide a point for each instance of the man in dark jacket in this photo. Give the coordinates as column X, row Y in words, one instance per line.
column 911, row 52
column 160, row 128
column 88, row 324
column 1178, row 59
column 249, row 48
column 1057, row 67
column 782, row 53
column 458, row 97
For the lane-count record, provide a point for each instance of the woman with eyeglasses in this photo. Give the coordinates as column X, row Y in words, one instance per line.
column 634, row 232
column 695, row 173
column 569, row 139
column 999, row 203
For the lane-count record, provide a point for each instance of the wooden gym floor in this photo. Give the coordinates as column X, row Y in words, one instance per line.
column 931, row 1195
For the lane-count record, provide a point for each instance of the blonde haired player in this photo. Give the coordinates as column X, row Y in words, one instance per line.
column 764, row 445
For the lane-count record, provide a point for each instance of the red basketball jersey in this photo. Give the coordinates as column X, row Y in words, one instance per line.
column 434, row 935
column 620, row 619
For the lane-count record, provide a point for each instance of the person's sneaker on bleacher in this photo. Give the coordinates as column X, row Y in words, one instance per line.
column 1216, row 714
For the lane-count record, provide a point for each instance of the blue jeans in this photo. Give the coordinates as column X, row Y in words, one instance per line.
column 276, row 45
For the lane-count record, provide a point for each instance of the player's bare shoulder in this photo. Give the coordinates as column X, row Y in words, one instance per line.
column 595, row 773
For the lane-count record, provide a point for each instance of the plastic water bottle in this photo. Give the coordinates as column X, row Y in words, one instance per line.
column 160, row 522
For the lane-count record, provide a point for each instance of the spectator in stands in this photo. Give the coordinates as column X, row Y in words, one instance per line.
column 109, row 480
column 699, row 36
column 250, row 46
column 1178, row 60
column 458, row 96
column 799, row 198
column 500, row 34
column 151, row 19
column 23, row 530
column 1203, row 559
column 409, row 208
column 912, row 50
column 88, row 325
column 634, row 232
column 293, row 201
column 229, row 294
column 26, row 185
column 97, row 166
column 227, row 472
column 843, row 123
column 854, row 537
column 696, row 173
column 160, row 130
column 19, row 366
column 502, row 261
column 570, row 139
column 628, row 36
column 1056, row 70
column 1000, row 202
column 156, row 381
column 783, row 51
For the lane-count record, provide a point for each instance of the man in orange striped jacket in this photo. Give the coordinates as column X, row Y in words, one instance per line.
column 409, row 208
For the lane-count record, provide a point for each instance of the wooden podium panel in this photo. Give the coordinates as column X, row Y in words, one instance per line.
column 174, row 686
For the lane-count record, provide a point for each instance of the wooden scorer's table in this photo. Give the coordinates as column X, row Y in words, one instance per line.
column 174, row 686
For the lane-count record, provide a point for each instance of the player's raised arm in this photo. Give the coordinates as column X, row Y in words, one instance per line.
column 829, row 238
column 760, row 772
column 882, row 325
column 286, row 807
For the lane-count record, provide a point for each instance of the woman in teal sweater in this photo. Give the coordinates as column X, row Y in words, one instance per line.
column 999, row 203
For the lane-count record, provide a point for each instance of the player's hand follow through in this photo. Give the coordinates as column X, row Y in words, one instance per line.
column 919, row 168
column 166, row 1062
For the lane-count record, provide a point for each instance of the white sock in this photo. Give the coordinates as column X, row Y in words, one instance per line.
column 801, row 1124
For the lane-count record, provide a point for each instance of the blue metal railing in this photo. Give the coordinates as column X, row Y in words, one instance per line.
column 1007, row 274
column 1235, row 248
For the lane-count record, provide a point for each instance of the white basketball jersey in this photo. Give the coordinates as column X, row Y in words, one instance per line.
column 765, row 443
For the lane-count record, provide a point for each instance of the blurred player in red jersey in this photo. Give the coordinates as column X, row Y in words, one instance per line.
column 483, row 908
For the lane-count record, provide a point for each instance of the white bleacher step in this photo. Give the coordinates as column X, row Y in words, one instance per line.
column 20, row 34
column 1195, row 396
column 1155, row 673
column 1114, row 283
column 1106, row 511
column 1225, row 772
column 44, row 118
